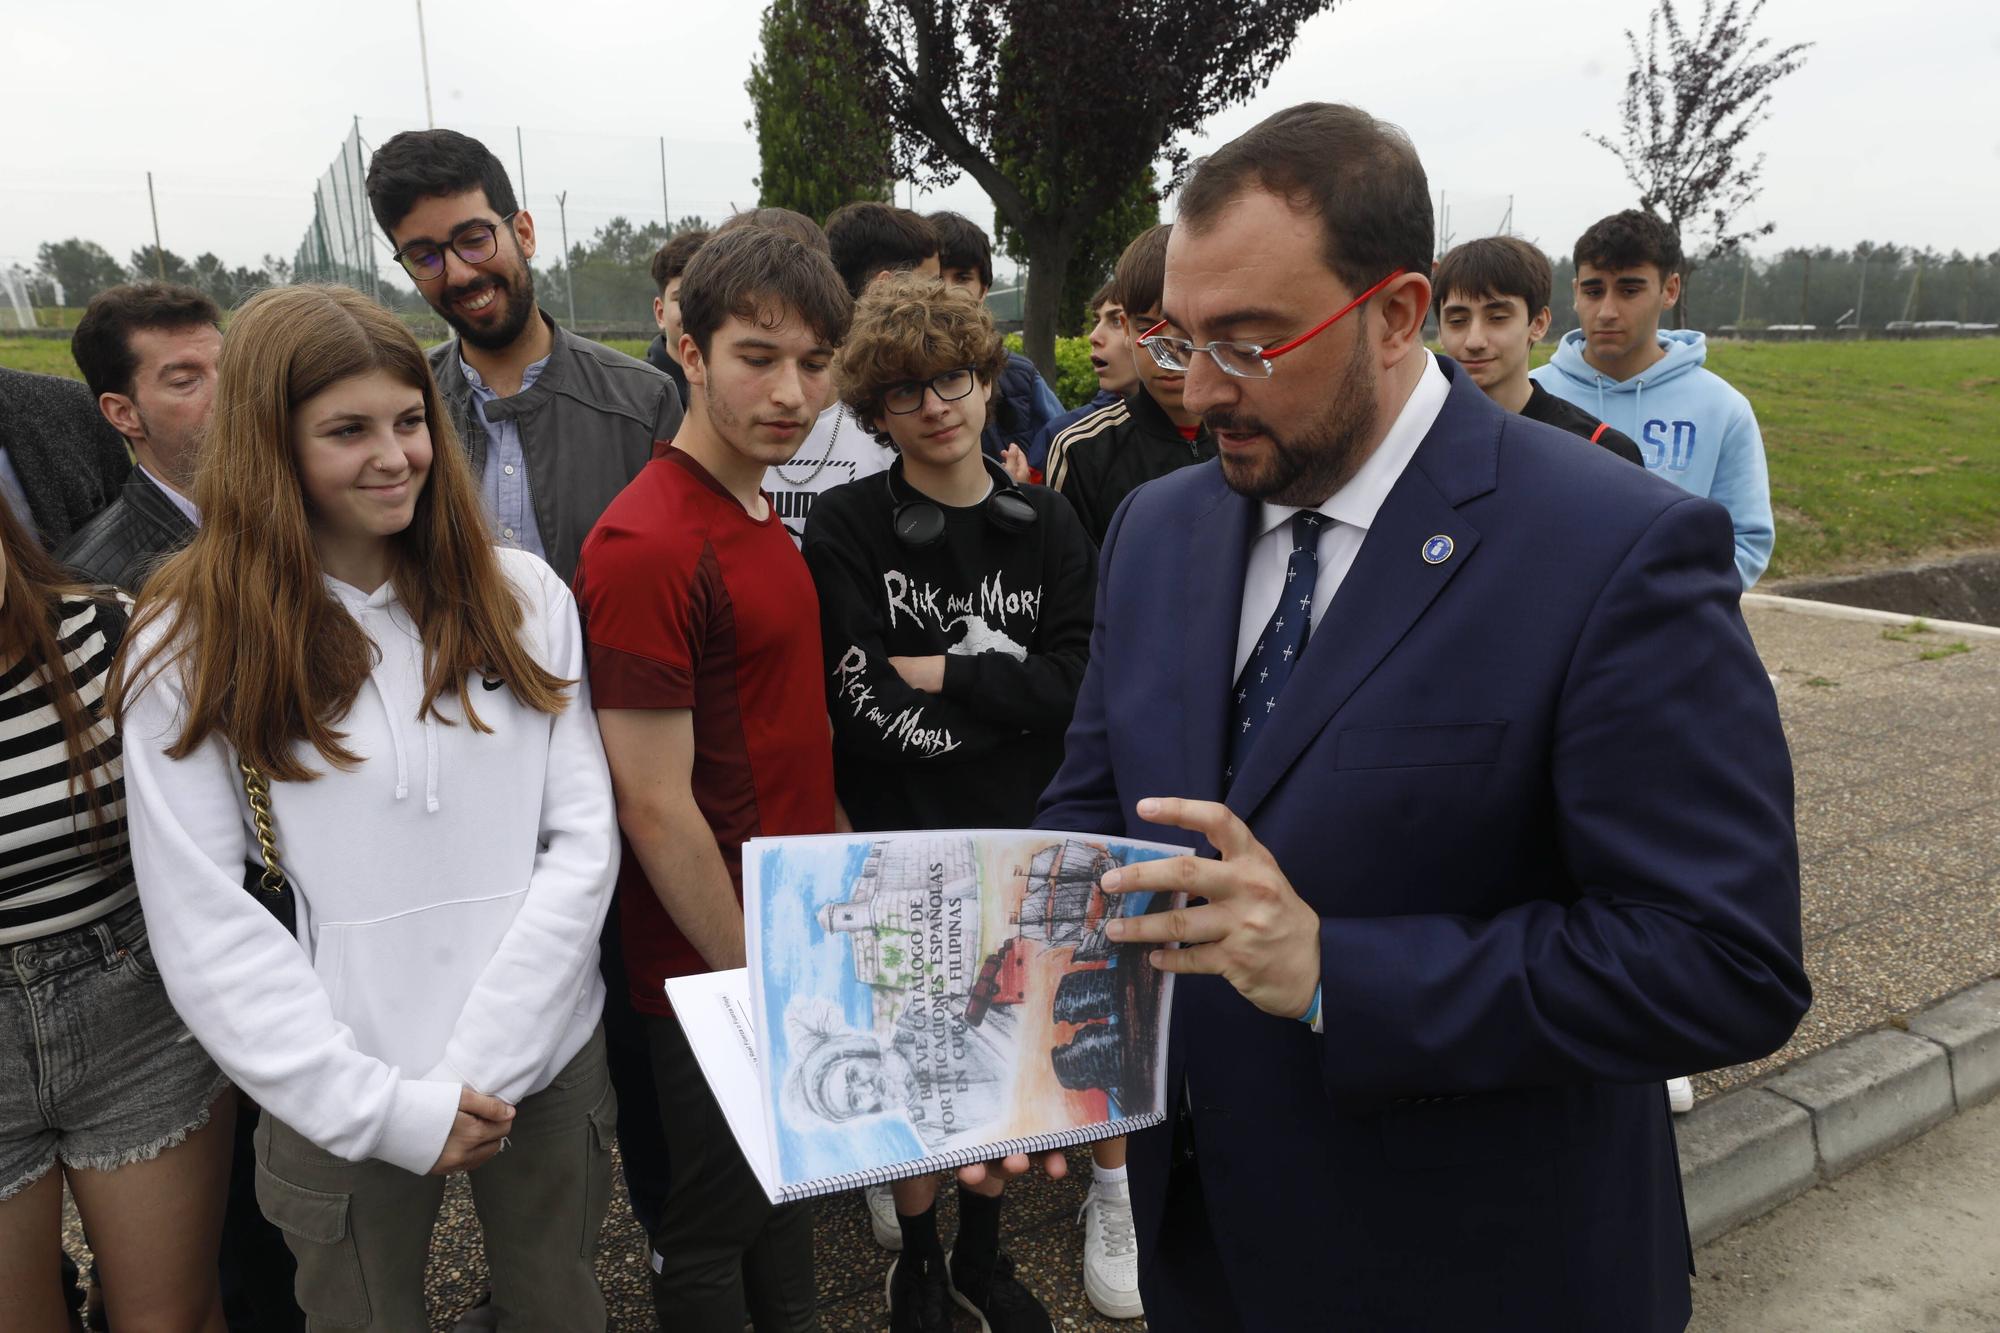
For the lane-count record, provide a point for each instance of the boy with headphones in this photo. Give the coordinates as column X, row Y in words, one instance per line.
column 955, row 615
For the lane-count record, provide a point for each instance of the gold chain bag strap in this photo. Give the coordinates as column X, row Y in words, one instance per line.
column 264, row 877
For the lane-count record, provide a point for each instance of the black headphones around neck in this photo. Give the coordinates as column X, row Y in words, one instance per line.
column 919, row 522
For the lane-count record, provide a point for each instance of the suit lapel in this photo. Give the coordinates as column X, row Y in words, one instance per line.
column 1217, row 549
column 1390, row 585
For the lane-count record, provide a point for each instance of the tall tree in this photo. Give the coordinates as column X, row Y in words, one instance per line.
column 818, row 152
column 1691, row 101
column 1054, row 108
column 1097, row 253
column 81, row 268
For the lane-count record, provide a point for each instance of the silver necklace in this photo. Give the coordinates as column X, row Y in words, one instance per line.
column 831, row 445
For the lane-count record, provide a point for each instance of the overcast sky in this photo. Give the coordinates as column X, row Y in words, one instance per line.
column 1891, row 131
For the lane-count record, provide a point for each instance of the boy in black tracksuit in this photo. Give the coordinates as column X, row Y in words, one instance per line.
column 1103, row 457
column 955, row 614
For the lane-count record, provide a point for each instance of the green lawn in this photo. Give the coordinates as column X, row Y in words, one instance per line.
column 44, row 356
column 1880, row 452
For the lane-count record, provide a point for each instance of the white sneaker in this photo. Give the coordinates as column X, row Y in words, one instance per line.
column 1111, row 1251
column 1680, row 1096
column 882, row 1217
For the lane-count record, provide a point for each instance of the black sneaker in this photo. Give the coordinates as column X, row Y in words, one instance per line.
column 1001, row 1302
column 919, row 1295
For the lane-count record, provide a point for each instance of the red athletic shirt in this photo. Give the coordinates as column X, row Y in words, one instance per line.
column 688, row 602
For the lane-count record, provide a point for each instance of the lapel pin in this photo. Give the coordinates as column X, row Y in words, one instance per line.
column 1437, row 550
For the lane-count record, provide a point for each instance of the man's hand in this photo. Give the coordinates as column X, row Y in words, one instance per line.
column 1015, row 460
column 921, row 673
column 1253, row 931
column 478, row 1131
column 1054, row 1165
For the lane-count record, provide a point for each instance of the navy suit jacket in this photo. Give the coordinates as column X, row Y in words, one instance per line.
column 1539, row 796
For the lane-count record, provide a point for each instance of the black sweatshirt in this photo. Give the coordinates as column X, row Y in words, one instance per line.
column 1550, row 410
column 1011, row 612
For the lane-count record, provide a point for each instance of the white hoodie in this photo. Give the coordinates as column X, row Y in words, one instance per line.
column 450, row 887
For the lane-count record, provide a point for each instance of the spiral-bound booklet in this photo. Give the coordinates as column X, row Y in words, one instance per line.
column 920, row 1001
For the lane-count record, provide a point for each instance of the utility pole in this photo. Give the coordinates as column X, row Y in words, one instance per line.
column 1916, row 286
column 666, row 213
column 521, row 166
column 424, row 55
column 569, row 269
column 1861, row 296
column 159, row 253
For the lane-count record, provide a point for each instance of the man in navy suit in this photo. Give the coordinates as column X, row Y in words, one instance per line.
column 1497, row 808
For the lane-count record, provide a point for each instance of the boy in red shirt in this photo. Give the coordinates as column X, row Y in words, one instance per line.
column 705, row 669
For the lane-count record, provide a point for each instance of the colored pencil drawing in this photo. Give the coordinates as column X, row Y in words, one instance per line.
column 929, row 992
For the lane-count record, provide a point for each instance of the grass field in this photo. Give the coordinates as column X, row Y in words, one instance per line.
column 1880, row 453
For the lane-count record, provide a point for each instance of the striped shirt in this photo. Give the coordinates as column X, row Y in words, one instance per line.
column 53, row 877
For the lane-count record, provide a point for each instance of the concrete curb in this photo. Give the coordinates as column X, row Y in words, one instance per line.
column 1963, row 629
column 1749, row 1150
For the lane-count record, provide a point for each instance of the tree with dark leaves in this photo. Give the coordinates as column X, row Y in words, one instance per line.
column 1096, row 255
column 1692, row 100
column 1055, row 108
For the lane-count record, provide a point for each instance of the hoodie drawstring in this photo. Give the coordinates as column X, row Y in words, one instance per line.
column 399, row 621
column 395, row 739
column 431, row 763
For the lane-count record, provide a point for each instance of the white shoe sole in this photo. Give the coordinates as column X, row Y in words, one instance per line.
column 1680, row 1095
column 959, row 1299
column 1112, row 1304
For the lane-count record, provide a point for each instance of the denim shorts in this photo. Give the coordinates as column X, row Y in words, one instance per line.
column 95, row 1066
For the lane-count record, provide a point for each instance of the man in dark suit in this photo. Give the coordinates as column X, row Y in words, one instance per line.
column 1499, row 807
column 149, row 351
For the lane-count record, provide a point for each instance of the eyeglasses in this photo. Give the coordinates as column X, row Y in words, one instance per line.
column 1250, row 361
column 424, row 260
column 903, row 399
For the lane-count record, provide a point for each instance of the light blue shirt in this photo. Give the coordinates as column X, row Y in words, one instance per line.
column 505, row 483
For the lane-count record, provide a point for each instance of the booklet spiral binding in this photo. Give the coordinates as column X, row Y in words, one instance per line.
column 918, row 1002
column 952, row 1161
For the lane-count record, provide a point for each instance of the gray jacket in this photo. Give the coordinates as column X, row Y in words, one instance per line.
column 70, row 462
column 588, row 424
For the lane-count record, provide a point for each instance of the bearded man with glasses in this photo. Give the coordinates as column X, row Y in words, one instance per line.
column 555, row 424
column 1495, row 807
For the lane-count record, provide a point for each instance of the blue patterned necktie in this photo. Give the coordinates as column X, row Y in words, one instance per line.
column 1255, row 695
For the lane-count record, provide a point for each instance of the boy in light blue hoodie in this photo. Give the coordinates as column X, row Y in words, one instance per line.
column 1692, row 427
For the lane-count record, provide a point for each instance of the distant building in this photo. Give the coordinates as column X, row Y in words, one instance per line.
column 913, row 897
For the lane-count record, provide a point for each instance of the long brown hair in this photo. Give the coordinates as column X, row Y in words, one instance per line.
column 35, row 589
column 266, row 654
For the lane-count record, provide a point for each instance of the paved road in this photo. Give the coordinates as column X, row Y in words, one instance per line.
column 1909, row 1243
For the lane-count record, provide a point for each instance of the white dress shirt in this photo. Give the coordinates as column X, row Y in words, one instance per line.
column 179, row 501
column 1352, row 508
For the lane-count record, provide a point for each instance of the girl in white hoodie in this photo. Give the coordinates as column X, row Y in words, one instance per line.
column 341, row 629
